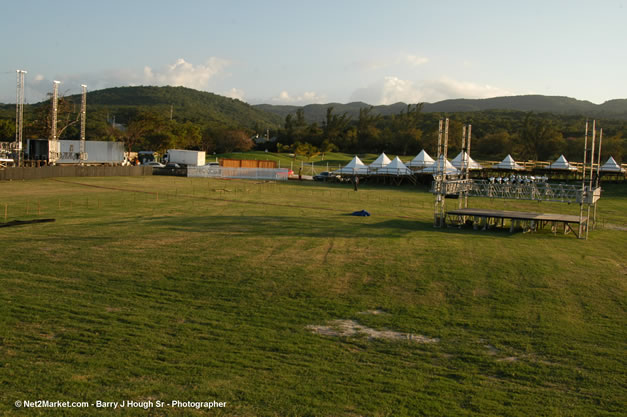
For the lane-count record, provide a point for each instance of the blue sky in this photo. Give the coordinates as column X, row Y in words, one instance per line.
column 285, row 52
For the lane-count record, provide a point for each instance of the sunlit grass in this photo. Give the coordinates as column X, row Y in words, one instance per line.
column 196, row 289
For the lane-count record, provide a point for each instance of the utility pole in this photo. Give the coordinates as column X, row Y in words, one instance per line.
column 19, row 116
column 83, row 154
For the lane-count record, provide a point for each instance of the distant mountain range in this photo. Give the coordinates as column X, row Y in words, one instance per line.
column 202, row 107
column 615, row 109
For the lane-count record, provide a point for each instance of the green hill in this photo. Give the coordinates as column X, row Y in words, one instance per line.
column 186, row 104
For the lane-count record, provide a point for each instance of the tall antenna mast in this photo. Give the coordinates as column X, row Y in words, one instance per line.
column 53, row 147
column 83, row 154
column 19, row 115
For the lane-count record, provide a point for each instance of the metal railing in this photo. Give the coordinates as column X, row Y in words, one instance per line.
column 537, row 191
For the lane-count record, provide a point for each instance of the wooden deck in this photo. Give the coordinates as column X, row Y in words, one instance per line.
column 486, row 218
column 516, row 215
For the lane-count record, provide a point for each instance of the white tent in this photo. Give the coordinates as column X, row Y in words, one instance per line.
column 457, row 162
column 433, row 169
column 611, row 166
column 562, row 163
column 396, row 167
column 354, row 167
column 422, row 160
column 509, row 164
column 380, row 162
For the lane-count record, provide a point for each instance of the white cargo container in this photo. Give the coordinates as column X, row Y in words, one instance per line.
column 98, row 152
column 186, row 158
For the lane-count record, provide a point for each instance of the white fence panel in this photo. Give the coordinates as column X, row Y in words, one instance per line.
column 206, row 171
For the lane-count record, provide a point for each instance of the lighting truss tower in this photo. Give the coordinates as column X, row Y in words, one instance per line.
column 465, row 166
column 54, row 149
column 83, row 154
column 19, row 116
column 440, row 176
column 598, row 180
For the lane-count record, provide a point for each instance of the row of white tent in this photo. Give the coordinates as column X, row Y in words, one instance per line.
column 562, row 164
column 423, row 163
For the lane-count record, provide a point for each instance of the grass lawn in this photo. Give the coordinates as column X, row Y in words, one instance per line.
column 164, row 289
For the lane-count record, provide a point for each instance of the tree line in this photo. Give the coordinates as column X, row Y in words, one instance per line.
column 535, row 136
column 495, row 134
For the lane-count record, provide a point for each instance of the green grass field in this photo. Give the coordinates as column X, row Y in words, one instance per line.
column 163, row 289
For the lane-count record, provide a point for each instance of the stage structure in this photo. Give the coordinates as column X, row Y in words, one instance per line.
column 516, row 187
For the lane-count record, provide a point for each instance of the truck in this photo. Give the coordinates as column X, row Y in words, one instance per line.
column 185, row 158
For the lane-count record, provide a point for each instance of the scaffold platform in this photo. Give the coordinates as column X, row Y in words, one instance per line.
column 528, row 221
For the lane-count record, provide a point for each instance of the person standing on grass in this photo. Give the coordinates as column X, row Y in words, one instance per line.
column 356, row 182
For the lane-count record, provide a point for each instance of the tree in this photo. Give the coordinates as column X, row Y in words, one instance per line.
column 227, row 141
column 406, row 135
column 368, row 135
column 68, row 114
column 306, row 149
column 7, row 131
column 539, row 140
column 335, row 126
column 493, row 145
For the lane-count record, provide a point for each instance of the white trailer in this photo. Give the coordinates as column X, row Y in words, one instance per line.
column 98, row 152
column 186, row 158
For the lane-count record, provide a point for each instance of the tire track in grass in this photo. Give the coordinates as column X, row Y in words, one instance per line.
column 329, row 249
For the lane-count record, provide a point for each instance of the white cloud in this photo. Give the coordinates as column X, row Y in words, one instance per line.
column 375, row 64
column 186, row 74
column 446, row 88
column 416, row 60
column 392, row 89
column 308, row 97
column 180, row 73
column 370, row 64
column 235, row 93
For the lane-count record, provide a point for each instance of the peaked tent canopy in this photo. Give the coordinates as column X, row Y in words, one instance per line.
column 396, row 167
column 457, row 162
column 611, row 166
column 422, row 160
column 433, row 169
column 508, row 163
column 562, row 163
column 380, row 162
column 354, row 167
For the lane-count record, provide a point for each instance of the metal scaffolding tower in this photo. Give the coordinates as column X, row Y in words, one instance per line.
column 54, row 149
column 440, row 175
column 19, row 117
column 83, row 154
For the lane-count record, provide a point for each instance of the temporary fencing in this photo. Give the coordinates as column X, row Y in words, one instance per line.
column 274, row 174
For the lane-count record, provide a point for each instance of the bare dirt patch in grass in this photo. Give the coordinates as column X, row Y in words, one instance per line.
column 615, row 227
column 376, row 312
column 350, row 328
